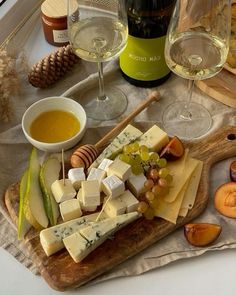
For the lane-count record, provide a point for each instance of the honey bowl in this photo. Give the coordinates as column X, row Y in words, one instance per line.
column 54, row 123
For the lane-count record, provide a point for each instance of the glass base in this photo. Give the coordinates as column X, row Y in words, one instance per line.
column 186, row 123
column 112, row 106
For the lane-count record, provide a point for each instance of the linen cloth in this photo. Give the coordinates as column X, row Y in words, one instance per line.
column 15, row 150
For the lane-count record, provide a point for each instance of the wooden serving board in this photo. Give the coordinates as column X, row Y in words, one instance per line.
column 62, row 273
column 222, row 87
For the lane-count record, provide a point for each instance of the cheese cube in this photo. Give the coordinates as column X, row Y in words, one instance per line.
column 131, row 203
column 112, row 186
column 154, row 138
column 114, row 207
column 83, row 207
column 105, row 164
column 63, row 191
column 120, row 169
column 135, row 184
column 90, row 192
column 76, row 175
column 97, row 174
column 70, row 209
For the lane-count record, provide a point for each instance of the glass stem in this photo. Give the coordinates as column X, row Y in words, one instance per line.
column 186, row 114
column 101, row 94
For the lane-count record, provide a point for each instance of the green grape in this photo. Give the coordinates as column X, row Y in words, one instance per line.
column 150, row 196
column 137, row 159
column 169, row 178
column 127, row 149
column 137, row 169
column 135, row 146
column 154, row 157
column 163, row 172
column 144, row 156
column 149, row 213
column 125, row 158
column 162, row 163
column 143, row 148
column 154, row 203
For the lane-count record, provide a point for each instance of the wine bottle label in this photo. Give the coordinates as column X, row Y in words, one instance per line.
column 143, row 59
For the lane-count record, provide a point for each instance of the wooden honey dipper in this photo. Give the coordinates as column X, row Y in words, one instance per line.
column 85, row 155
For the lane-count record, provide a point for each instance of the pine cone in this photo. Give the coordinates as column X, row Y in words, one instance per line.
column 51, row 68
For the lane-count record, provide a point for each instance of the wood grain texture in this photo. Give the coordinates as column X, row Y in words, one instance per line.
column 221, row 87
column 62, row 273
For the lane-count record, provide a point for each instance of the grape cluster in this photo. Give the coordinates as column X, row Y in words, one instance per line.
column 158, row 176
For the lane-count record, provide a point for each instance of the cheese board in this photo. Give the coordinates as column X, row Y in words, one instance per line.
column 62, row 273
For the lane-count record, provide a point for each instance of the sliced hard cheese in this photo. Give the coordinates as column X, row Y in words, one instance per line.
column 154, row 138
column 83, row 242
column 51, row 238
column 129, row 134
column 191, row 192
column 178, row 169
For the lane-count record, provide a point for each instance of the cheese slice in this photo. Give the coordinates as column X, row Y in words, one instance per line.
column 180, row 170
column 154, row 138
column 83, row 242
column 192, row 189
column 128, row 135
column 51, row 238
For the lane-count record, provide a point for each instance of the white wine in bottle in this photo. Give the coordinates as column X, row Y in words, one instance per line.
column 143, row 62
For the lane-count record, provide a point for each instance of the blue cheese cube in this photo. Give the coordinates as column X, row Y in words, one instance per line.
column 112, row 186
column 76, row 175
column 63, row 191
column 114, row 206
column 70, row 209
column 105, row 164
column 84, row 207
column 90, row 192
column 130, row 202
column 120, row 169
column 135, row 184
column 97, row 174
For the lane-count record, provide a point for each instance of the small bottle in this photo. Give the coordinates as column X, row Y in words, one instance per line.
column 143, row 62
column 54, row 18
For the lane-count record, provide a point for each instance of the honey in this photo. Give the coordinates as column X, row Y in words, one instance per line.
column 54, row 126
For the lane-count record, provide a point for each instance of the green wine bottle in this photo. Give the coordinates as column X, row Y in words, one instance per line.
column 143, row 62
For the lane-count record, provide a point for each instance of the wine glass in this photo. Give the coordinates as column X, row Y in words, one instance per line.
column 98, row 32
column 196, row 48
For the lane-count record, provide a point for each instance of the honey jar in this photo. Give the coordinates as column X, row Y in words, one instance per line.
column 54, row 18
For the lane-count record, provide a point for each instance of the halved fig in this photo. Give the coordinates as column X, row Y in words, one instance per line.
column 233, row 171
column 225, row 199
column 201, row 234
column 173, row 150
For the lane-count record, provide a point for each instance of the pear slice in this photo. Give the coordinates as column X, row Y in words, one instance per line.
column 50, row 172
column 23, row 225
column 34, row 207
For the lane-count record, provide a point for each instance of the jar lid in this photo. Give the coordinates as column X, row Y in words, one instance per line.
column 54, row 8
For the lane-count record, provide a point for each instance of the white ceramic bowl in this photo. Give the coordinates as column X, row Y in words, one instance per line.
column 54, row 103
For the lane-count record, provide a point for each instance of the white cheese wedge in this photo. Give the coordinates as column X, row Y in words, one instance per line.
column 135, row 184
column 76, row 175
column 114, row 207
column 105, row 164
column 83, row 242
column 70, row 209
column 84, row 207
column 97, row 174
column 191, row 192
column 154, row 138
column 120, row 169
column 128, row 135
column 90, row 192
column 51, row 238
column 130, row 201
column 112, row 186
column 63, row 191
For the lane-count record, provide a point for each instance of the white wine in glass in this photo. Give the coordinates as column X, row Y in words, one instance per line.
column 196, row 48
column 98, row 32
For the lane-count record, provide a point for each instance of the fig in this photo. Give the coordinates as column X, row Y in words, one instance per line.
column 173, row 150
column 201, row 234
column 233, row 171
column 225, row 199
